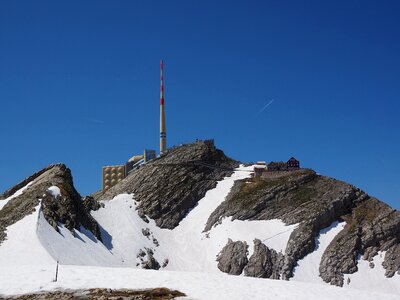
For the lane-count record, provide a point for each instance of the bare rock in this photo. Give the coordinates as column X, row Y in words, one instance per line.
column 392, row 261
column 168, row 187
column 146, row 232
column 67, row 209
column 150, row 262
column 371, row 227
column 233, row 257
column 264, row 263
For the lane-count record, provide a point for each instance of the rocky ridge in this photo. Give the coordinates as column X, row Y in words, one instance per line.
column 169, row 186
column 66, row 208
column 314, row 202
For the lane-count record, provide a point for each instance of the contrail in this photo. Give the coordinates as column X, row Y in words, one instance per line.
column 265, row 106
column 96, row 121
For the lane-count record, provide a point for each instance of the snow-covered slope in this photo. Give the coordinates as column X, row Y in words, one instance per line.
column 187, row 247
column 196, row 285
column 77, row 248
column 308, row 268
column 28, row 257
column 372, row 277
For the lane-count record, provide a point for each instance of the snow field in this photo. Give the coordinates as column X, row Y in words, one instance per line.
column 194, row 285
column 77, row 248
column 22, row 246
column 308, row 267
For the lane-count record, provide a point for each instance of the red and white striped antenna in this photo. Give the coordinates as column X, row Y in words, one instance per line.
column 163, row 132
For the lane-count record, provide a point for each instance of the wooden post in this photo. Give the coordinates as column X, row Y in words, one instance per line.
column 55, row 280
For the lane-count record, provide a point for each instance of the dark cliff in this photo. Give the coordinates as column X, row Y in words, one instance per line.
column 169, row 186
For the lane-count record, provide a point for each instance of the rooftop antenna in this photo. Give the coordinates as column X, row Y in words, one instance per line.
column 163, row 132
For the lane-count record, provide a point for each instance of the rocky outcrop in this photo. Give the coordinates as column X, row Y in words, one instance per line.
column 392, row 261
column 102, row 294
column 314, row 202
column 67, row 208
column 371, row 227
column 147, row 260
column 168, row 187
column 233, row 257
column 264, row 262
column 24, row 182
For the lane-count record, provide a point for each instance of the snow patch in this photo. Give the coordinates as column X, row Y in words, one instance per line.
column 54, row 191
column 367, row 278
column 16, row 194
column 122, row 229
column 308, row 268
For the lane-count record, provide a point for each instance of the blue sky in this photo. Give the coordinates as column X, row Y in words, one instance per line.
column 79, row 84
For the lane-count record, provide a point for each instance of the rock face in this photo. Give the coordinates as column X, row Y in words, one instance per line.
column 264, row 263
column 68, row 208
column 169, row 186
column 372, row 226
column 233, row 257
column 314, row 202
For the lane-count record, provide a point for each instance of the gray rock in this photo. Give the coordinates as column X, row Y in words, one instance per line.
column 264, row 263
column 146, row 232
column 168, row 187
column 233, row 257
column 150, row 262
column 165, row 263
column 371, row 227
column 141, row 253
column 315, row 202
column 392, row 261
column 67, row 209
column 90, row 204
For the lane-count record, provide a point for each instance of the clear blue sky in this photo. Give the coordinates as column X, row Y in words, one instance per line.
column 79, row 84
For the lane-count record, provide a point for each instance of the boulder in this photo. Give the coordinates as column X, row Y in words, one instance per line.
column 233, row 257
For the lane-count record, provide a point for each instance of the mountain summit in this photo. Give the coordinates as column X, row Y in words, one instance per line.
column 194, row 209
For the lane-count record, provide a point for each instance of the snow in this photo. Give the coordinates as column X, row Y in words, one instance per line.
column 368, row 278
column 194, row 285
column 308, row 267
column 28, row 256
column 74, row 248
column 54, row 191
column 16, row 194
column 22, row 247
column 186, row 247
